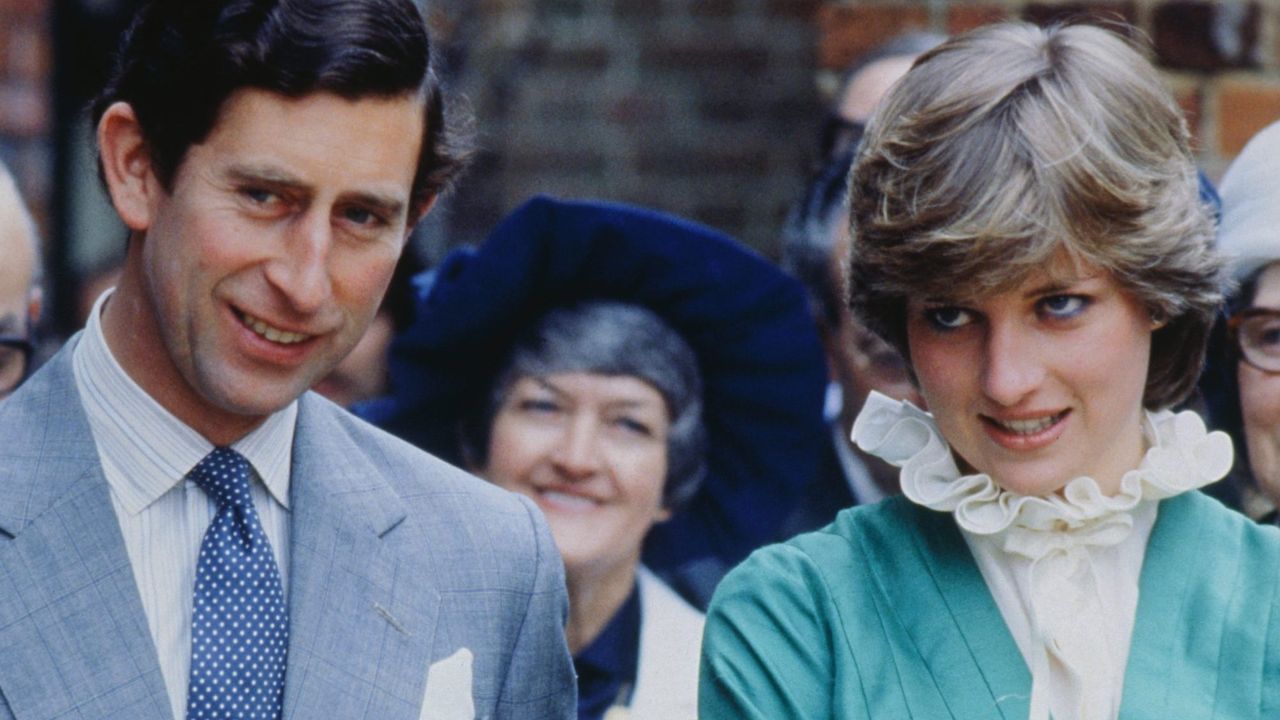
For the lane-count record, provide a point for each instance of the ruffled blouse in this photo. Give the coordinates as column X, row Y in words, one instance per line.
column 1064, row 568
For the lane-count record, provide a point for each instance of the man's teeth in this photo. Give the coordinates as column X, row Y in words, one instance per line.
column 1029, row 427
column 274, row 334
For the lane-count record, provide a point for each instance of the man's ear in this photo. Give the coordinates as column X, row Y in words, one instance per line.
column 416, row 214
column 126, row 166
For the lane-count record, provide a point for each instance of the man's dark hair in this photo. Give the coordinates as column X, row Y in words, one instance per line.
column 181, row 59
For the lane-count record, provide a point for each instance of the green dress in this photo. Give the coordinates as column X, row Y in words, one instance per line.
column 884, row 615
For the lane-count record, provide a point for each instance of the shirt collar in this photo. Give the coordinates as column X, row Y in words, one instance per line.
column 615, row 650
column 145, row 449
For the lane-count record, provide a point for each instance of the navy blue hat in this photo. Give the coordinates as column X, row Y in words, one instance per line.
column 748, row 323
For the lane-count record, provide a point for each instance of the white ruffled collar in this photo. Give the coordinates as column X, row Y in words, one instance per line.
column 1182, row 456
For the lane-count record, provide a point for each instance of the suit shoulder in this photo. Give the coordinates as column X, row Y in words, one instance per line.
column 454, row 500
column 411, row 471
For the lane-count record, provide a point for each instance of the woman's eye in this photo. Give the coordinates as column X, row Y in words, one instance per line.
column 632, row 425
column 536, row 405
column 948, row 318
column 1268, row 335
column 1063, row 306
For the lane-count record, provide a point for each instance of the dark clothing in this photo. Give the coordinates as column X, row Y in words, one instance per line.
column 607, row 667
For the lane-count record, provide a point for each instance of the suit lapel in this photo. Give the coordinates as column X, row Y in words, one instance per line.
column 73, row 633
column 361, row 624
column 973, row 668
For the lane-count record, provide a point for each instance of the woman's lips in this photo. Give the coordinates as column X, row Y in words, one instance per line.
column 1026, row 433
column 567, row 501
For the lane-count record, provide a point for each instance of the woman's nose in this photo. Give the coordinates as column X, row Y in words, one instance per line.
column 577, row 453
column 1012, row 363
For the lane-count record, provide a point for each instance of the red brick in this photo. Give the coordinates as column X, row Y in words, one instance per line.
column 795, row 9
column 727, row 110
column 963, row 18
column 576, row 58
column 444, row 26
column 24, row 111
column 1097, row 12
column 710, row 57
column 24, row 8
column 571, row 161
column 691, row 162
column 1244, row 108
column 846, row 32
column 722, row 216
column 712, row 8
column 569, row 9
column 1197, row 35
column 1190, row 97
column 638, row 9
column 24, row 53
column 639, row 110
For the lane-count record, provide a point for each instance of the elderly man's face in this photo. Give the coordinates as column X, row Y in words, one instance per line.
column 262, row 265
column 18, row 301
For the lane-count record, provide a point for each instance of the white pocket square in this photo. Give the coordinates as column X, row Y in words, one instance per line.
column 448, row 694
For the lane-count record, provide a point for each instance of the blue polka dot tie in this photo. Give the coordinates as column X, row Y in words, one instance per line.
column 240, row 624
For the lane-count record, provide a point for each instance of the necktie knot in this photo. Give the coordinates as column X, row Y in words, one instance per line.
column 224, row 476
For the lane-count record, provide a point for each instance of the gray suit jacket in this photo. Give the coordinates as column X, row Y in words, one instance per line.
column 397, row 561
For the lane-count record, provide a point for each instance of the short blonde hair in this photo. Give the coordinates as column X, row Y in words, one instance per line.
column 1003, row 146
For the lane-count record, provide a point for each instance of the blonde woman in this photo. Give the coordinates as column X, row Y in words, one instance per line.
column 1027, row 231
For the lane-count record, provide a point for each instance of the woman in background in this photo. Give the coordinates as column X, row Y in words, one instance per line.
column 615, row 365
column 1027, row 231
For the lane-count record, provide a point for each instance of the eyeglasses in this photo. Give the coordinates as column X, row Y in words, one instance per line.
column 1256, row 334
column 15, row 358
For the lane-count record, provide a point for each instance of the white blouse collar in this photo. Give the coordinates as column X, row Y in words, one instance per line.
column 1181, row 456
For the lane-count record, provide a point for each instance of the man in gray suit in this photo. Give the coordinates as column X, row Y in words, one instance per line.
column 184, row 530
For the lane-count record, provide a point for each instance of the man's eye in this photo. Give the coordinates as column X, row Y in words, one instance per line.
column 258, row 195
column 362, row 216
column 948, row 318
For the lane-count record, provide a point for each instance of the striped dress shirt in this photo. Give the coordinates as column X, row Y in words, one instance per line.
column 146, row 454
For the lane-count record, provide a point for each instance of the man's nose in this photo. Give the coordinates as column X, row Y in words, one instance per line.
column 301, row 272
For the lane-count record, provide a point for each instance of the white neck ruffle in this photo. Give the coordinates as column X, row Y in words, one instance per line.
column 1182, row 455
column 1069, row 560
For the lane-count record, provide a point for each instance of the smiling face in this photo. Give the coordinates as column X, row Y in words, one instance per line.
column 591, row 451
column 1260, row 398
column 1040, row 384
column 263, row 264
column 19, row 300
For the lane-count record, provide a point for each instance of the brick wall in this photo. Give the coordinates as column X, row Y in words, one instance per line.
column 1222, row 57
column 25, row 108
column 706, row 108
